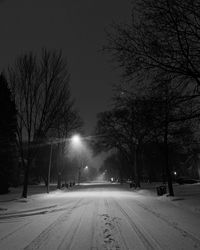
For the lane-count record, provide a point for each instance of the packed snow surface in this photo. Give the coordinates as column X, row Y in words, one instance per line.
column 101, row 216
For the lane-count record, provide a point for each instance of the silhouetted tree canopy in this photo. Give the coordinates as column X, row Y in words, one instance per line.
column 158, row 53
column 163, row 35
column 8, row 128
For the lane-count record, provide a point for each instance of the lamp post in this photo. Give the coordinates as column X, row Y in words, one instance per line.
column 53, row 141
column 80, row 167
column 78, row 146
column 79, row 174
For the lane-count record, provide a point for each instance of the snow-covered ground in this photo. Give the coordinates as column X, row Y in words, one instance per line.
column 101, row 216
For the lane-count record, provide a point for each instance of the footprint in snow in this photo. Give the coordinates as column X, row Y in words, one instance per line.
column 110, row 240
column 105, row 215
column 105, row 230
column 108, row 236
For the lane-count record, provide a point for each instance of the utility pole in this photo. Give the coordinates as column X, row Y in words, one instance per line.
column 79, row 175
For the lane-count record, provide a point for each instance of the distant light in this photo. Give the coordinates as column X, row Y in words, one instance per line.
column 112, row 179
column 175, row 173
column 105, row 171
column 86, row 167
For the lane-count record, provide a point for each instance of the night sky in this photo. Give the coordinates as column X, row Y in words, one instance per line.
column 76, row 27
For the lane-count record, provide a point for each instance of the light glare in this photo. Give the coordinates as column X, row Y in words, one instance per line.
column 76, row 139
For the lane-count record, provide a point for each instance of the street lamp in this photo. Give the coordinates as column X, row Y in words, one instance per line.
column 78, row 146
column 86, row 173
column 76, row 141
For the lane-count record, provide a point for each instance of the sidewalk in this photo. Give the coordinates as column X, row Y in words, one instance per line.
column 186, row 196
column 16, row 193
column 13, row 201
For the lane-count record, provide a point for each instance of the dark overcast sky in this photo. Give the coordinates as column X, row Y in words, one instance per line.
column 76, row 27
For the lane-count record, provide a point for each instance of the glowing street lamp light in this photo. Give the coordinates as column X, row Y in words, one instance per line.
column 76, row 140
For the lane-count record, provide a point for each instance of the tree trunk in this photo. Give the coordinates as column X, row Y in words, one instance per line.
column 136, row 169
column 167, row 167
column 138, row 159
column 59, row 181
column 166, row 149
column 26, row 177
column 121, row 174
column 4, row 184
column 45, row 179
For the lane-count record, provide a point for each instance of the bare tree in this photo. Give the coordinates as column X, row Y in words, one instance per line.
column 40, row 85
column 163, row 35
column 154, row 117
column 127, row 128
column 162, row 39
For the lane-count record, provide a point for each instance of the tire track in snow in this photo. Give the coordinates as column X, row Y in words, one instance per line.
column 183, row 232
column 148, row 241
column 77, row 225
column 116, row 225
column 30, row 211
column 43, row 237
column 27, row 214
column 14, row 231
column 68, row 243
column 94, row 239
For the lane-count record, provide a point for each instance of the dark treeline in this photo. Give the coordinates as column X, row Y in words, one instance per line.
column 36, row 110
column 8, row 129
column 154, row 121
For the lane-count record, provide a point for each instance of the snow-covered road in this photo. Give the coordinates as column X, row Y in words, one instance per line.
column 99, row 217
